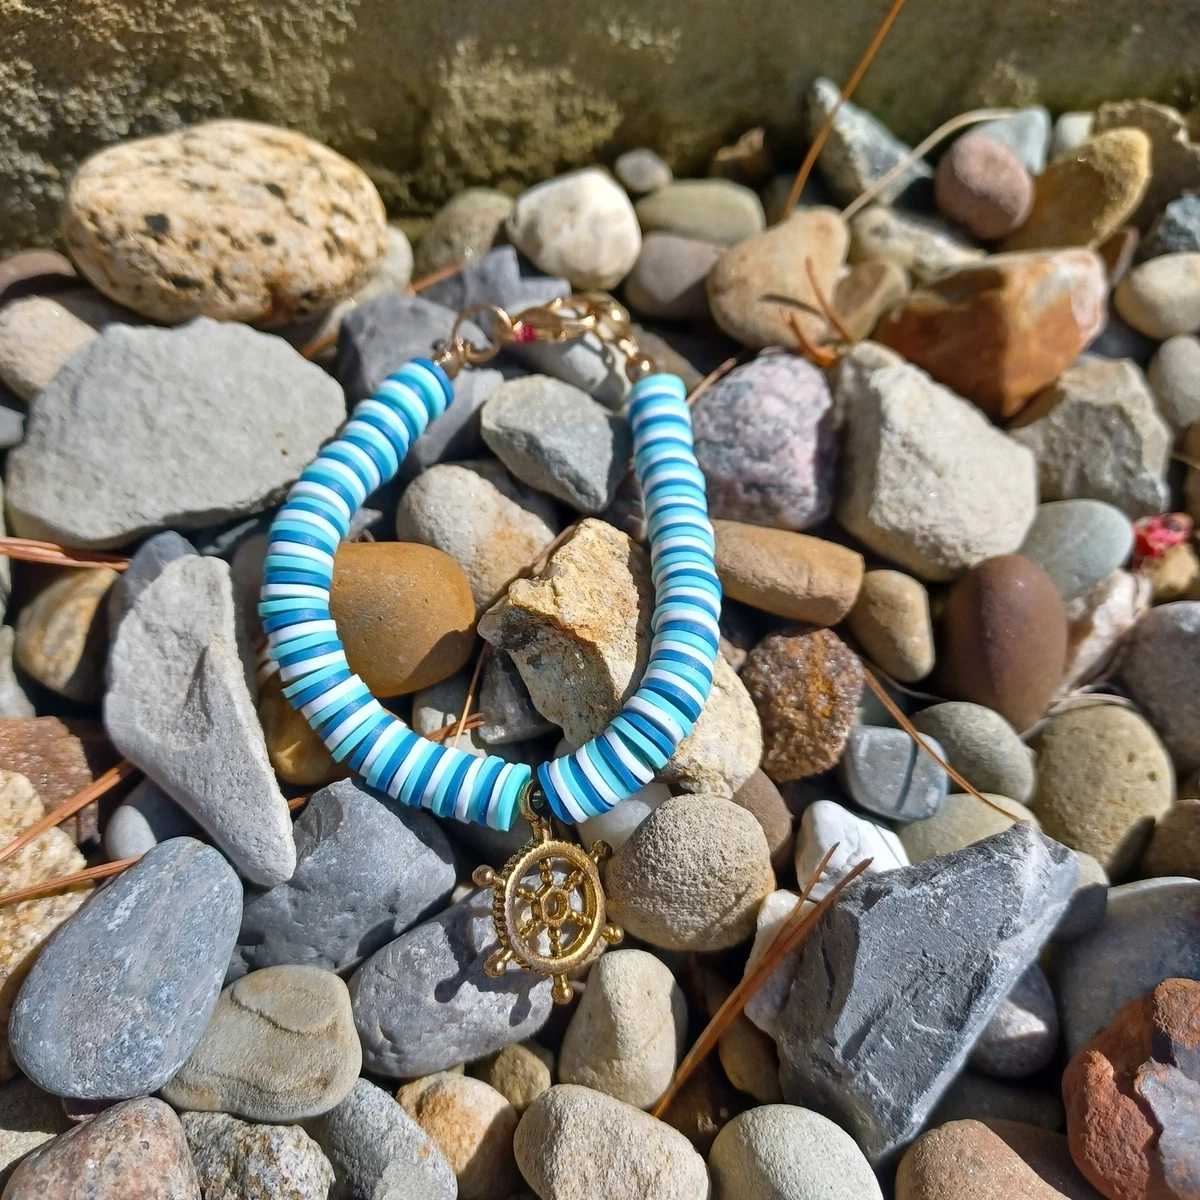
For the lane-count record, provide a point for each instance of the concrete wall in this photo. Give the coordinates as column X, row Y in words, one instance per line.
column 431, row 95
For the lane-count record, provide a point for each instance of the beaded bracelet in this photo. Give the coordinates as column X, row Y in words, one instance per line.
column 317, row 679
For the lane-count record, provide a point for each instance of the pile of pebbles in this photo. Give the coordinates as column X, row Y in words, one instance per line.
column 959, row 448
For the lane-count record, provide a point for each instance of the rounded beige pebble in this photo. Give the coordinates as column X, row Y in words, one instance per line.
column 234, row 220
column 575, row 1143
column 281, row 1045
column 473, row 1125
column 963, row 820
column 783, row 1152
column 628, row 1031
column 1161, row 298
column 691, row 875
column 891, row 621
column 1103, row 779
column 520, row 1073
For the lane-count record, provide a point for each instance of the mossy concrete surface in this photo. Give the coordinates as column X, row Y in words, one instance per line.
column 434, row 95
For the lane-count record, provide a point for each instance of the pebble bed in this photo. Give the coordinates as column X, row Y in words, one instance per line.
column 950, row 437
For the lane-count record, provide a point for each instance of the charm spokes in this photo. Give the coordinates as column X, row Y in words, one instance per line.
column 548, row 907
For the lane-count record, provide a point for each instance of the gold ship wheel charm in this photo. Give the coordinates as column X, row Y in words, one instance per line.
column 548, row 906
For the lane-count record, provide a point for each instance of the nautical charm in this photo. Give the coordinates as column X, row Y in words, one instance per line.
column 548, row 901
column 553, row 925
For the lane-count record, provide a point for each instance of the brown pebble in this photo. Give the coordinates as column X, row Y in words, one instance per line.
column 62, row 633
column 60, row 758
column 1088, row 193
column 806, row 687
column 404, row 612
column 759, row 796
column 1004, row 639
column 891, row 621
column 788, row 574
column 703, row 1106
column 132, row 1151
column 1175, row 844
column 990, row 1160
column 296, row 752
column 1173, row 574
column 984, row 186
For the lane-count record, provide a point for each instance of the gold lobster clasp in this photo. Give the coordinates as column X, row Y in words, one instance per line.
column 561, row 320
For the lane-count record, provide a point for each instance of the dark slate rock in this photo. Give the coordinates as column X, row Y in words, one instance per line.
column 380, row 336
column 1177, row 230
column 144, row 568
column 885, row 773
column 424, row 1003
column 504, row 700
column 366, row 869
column 121, row 994
column 901, row 976
column 379, row 1152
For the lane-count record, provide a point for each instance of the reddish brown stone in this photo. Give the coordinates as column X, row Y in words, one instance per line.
column 1004, row 639
column 999, row 330
column 1132, row 1097
column 60, row 758
column 806, row 688
column 133, row 1151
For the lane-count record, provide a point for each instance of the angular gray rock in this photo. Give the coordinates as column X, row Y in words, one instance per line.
column 185, row 427
column 556, row 438
column 885, row 773
column 1150, row 932
column 366, row 869
column 424, row 1003
column 900, row 977
column 860, row 149
column 501, row 277
column 504, row 700
column 236, row 1159
column 120, row 996
column 1025, row 132
column 144, row 568
column 178, row 706
column 1177, row 229
column 1097, row 435
column 144, row 818
column 379, row 1152
column 379, row 337
column 915, row 453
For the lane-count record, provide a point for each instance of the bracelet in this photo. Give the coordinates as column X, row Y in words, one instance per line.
column 375, row 744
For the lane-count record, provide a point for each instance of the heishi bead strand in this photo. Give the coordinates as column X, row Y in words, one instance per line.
column 302, row 637
column 664, row 709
